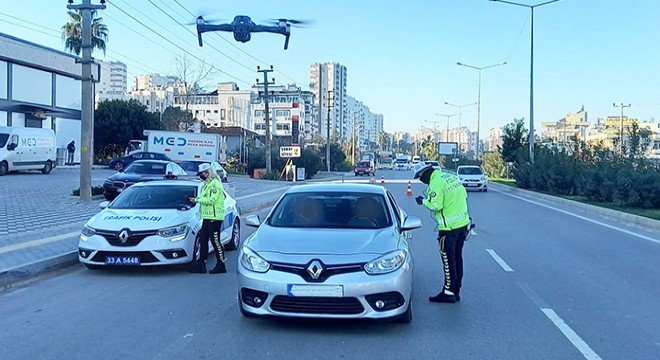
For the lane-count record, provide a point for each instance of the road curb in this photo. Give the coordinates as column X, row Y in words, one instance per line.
column 631, row 219
column 10, row 277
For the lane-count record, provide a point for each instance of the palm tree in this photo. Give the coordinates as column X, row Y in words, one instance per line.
column 72, row 32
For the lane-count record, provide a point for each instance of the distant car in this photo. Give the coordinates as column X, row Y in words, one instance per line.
column 416, row 159
column 191, row 167
column 385, row 164
column 141, row 170
column 401, row 164
column 121, row 163
column 365, row 168
column 334, row 251
column 152, row 223
column 472, row 177
column 434, row 164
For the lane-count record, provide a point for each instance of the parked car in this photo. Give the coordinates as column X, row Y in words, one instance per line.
column 434, row 164
column 26, row 148
column 329, row 251
column 191, row 167
column 121, row 163
column 365, row 168
column 472, row 177
column 141, row 170
column 152, row 223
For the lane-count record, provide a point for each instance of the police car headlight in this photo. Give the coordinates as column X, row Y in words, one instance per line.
column 386, row 263
column 253, row 262
column 87, row 232
column 175, row 233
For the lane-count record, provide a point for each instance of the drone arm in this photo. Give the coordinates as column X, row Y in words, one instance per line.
column 265, row 28
column 286, row 41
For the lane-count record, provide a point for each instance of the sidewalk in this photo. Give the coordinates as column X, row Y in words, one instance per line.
column 28, row 252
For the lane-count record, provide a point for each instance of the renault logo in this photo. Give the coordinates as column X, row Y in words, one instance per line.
column 123, row 236
column 315, row 269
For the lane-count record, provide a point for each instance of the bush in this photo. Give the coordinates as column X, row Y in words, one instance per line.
column 345, row 167
column 96, row 190
column 493, row 165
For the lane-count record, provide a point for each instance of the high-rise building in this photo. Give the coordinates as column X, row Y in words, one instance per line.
column 327, row 81
column 154, row 81
column 113, row 77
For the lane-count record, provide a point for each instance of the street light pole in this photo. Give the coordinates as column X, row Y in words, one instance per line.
column 622, row 105
column 479, row 98
column 327, row 142
column 87, row 99
column 531, row 71
column 460, row 115
column 448, row 117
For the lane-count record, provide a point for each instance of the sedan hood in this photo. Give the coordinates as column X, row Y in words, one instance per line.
column 137, row 220
column 293, row 241
column 130, row 177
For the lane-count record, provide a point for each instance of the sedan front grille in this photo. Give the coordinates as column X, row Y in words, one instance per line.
column 328, row 270
column 317, row 305
column 133, row 239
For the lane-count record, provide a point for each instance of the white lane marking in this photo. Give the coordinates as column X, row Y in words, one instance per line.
column 585, row 218
column 32, row 243
column 260, row 193
column 499, row 260
column 571, row 335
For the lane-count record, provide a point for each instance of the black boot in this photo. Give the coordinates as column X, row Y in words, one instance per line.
column 198, row 268
column 442, row 297
column 219, row 268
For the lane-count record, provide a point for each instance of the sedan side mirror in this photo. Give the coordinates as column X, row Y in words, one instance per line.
column 104, row 204
column 411, row 223
column 252, row 220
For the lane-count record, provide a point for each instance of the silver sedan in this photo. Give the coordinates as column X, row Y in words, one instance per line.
column 329, row 251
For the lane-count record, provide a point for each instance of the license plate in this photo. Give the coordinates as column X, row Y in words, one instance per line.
column 122, row 260
column 315, row 290
column 472, row 184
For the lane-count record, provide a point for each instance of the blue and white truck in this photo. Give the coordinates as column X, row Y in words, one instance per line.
column 180, row 146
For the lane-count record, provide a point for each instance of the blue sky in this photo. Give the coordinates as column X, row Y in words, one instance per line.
column 401, row 55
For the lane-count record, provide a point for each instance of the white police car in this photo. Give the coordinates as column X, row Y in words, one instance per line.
column 151, row 223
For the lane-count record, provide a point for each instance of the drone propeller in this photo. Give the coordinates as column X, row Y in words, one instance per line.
column 207, row 20
column 292, row 22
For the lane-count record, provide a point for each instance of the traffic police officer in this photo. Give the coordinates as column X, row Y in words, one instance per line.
column 446, row 198
column 212, row 211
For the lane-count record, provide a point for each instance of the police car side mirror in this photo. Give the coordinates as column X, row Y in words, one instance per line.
column 104, row 204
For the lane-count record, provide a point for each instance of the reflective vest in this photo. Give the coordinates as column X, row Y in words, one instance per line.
column 212, row 200
column 447, row 199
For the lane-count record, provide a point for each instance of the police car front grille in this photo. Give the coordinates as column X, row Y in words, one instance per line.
column 134, row 237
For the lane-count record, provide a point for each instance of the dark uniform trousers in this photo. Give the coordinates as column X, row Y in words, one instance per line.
column 210, row 229
column 451, row 252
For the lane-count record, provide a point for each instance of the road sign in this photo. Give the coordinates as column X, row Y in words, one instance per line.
column 290, row 151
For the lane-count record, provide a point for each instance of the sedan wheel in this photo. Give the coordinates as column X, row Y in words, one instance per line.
column 406, row 317
column 235, row 236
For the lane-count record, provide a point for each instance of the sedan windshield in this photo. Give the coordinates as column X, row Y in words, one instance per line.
column 470, row 171
column 156, row 197
column 147, row 168
column 332, row 210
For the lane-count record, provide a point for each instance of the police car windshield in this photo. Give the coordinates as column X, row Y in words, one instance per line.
column 148, row 168
column 3, row 140
column 156, row 197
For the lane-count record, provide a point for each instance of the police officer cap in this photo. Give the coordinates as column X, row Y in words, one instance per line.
column 420, row 168
column 203, row 167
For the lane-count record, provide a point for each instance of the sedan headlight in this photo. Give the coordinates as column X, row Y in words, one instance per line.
column 87, row 232
column 176, row 233
column 253, row 262
column 386, row 263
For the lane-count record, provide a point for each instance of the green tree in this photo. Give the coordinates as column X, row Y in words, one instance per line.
column 383, row 141
column 72, row 32
column 117, row 121
column 513, row 140
column 493, row 164
column 175, row 119
column 336, row 155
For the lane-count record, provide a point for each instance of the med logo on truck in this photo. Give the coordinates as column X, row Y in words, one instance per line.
column 171, row 141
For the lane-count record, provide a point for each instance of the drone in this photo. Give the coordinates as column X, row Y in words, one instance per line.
column 243, row 27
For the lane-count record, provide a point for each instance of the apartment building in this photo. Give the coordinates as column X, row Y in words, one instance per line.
column 327, row 81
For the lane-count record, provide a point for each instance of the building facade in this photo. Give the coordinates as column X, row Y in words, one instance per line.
column 41, row 87
column 567, row 129
column 113, row 84
column 327, row 81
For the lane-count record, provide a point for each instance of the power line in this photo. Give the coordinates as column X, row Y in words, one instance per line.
column 237, row 47
column 177, row 46
column 518, row 39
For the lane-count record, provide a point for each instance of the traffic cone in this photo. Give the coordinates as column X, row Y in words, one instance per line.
column 409, row 192
column 372, row 180
column 382, row 179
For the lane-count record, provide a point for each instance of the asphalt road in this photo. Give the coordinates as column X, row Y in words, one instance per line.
column 539, row 284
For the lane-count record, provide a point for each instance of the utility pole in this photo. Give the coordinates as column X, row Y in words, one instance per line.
column 267, row 113
column 87, row 98
column 622, row 105
column 327, row 143
column 353, row 144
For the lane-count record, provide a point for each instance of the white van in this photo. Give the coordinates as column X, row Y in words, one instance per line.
column 26, row 149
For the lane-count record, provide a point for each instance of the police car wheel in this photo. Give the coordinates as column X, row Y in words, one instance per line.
column 235, row 236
